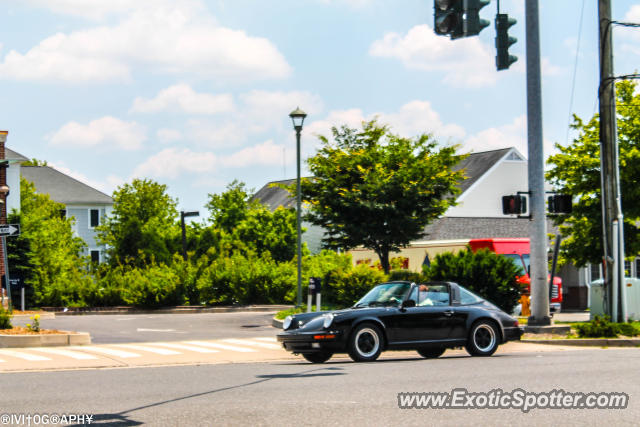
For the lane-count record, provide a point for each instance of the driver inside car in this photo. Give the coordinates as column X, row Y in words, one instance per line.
column 423, row 296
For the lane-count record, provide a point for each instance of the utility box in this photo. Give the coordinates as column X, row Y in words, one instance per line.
column 632, row 287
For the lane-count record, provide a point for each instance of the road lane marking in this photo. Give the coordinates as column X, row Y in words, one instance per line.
column 186, row 347
column 62, row 352
column 24, row 356
column 253, row 343
column 162, row 351
column 155, row 330
column 222, row 346
column 112, row 352
column 268, row 339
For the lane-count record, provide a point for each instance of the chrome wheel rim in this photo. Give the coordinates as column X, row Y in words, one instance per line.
column 367, row 342
column 484, row 337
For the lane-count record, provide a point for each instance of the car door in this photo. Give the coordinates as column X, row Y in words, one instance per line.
column 430, row 320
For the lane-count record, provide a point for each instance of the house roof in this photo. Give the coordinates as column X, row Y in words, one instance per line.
column 475, row 165
column 449, row 228
column 63, row 188
column 9, row 154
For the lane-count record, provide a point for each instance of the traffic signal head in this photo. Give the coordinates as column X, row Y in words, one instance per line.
column 447, row 17
column 504, row 41
column 514, row 204
column 560, row 204
column 459, row 18
column 471, row 22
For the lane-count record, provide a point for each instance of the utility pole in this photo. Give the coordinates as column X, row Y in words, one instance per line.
column 538, row 237
column 612, row 218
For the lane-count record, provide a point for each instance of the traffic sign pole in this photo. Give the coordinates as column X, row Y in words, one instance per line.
column 6, row 271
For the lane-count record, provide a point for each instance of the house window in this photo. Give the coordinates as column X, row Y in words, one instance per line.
column 595, row 272
column 95, row 256
column 94, row 218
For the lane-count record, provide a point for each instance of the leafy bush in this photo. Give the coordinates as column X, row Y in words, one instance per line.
column 602, row 327
column 5, row 318
column 409, row 275
column 489, row 275
column 599, row 327
column 343, row 287
column 247, row 279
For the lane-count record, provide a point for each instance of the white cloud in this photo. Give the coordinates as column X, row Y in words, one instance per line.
column 412, row 119
column 263, row 109
column 215, row 135
column 265, row 154
column 173, row 162
column 90, row 9
column 104, row 132
column 165, row 135
column 166, row 37
column 466, row 62
column 513, row 134
column 182, row 98
column 633, row 14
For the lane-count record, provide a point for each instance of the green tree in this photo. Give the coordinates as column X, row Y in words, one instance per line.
column 142, row 225
column 228, row 209
column 48, row 251
column 377, row 189
column 575, row 170
column 247, row 225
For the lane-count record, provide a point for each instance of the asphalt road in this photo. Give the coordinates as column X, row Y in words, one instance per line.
column 110, row 329
column 336, row 393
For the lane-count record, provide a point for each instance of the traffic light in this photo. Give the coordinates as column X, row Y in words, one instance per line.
column 458, row 18
column 514, row 204
column 504, row 41
column 447, row 18
column 471, row 22
column 560, row 204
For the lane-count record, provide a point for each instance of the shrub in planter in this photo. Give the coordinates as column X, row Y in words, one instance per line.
column 489, row 275
column 599, row 327
column 5, row 318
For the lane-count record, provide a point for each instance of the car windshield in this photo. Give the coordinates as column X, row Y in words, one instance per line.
column 385, row 294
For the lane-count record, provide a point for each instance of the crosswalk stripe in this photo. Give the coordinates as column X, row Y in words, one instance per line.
column 162, row 351
column 61, row 352
column 253, row 343
column 25, row 356
column 2, row 361
column 268, row 339
column 112, row 352
column 186, row 347
column 222, row 346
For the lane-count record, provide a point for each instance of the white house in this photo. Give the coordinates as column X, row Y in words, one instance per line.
column 85, row 204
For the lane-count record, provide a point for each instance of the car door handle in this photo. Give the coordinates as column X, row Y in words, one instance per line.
column 448, row 312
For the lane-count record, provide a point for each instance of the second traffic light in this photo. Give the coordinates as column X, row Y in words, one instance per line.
column 504, row 41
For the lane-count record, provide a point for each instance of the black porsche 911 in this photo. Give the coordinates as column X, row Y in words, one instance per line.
column 428, row 317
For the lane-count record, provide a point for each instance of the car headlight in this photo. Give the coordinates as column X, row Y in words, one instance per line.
column 287, row 322
column 328, row 319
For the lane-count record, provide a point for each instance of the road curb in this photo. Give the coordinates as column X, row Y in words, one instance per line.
column 43, row 316
column 590, row 342
column 45, row 340
column 176, row 310
column 276, row 323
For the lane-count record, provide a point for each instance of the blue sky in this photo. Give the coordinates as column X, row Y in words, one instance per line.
column 196, row 93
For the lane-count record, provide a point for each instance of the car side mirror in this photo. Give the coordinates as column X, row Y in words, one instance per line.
column 408, row 303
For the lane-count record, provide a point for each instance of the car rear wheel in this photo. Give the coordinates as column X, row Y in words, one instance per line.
column 483, row 339
column 365, row 343
column 319, row 357
column 431, row 353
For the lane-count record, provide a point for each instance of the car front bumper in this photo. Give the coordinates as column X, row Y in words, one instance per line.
column 312, row 341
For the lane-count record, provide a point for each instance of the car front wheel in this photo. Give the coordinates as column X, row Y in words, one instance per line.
column 320, row 357
column 483, row 339
column 365, row 343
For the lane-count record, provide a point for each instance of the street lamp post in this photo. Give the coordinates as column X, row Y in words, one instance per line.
column 184, row 215
column 297, row 117
column 4, row 192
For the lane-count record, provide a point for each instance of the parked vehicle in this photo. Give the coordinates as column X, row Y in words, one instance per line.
column 517, row 250
column 428, row 317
